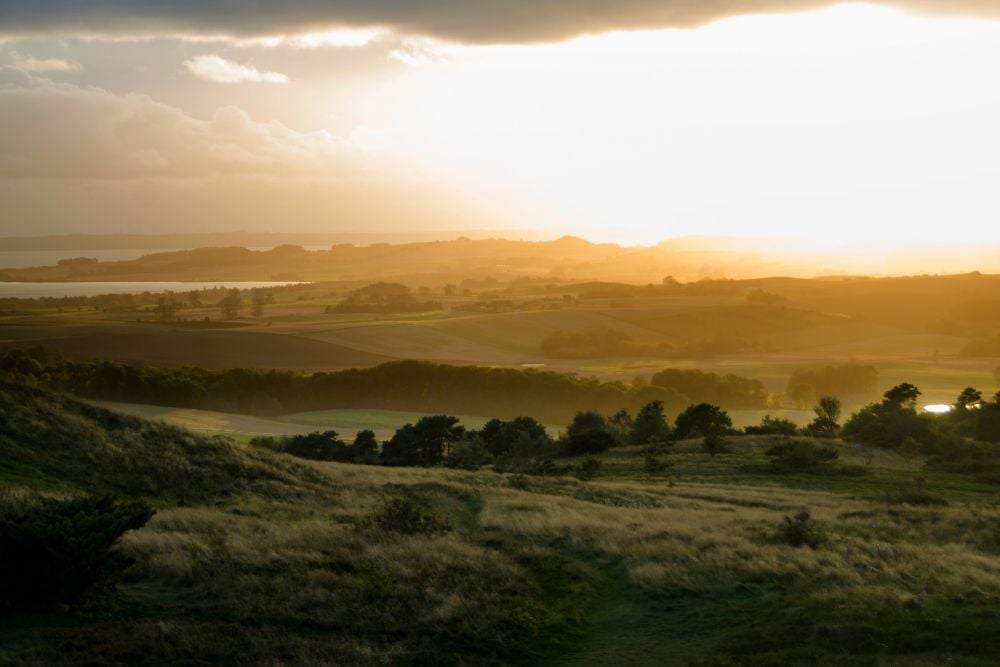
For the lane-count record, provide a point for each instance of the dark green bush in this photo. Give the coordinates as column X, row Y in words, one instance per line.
column 400, row 515
column 701, row 420
column 654, row 465
column 60, row 551
column 587, row 469
column 531, row 466
column 714, row 444
column 800, row 456
column 772, row 426
column 589, row 442
column 800, row 531
column 911, row 493
column 470, row 454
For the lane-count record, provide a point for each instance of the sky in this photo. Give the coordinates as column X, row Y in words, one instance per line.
column 633, row 121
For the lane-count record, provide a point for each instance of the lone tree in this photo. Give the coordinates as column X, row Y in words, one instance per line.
column 902, row 396
column 259, row 299
column 518, row 436
column 586, row 421
column 968, row 399
column 714, row 444
column 365, row 447
column 702, row 420
column 166, row 308
column 826, row 424
column 230, row 305
column 649, row 425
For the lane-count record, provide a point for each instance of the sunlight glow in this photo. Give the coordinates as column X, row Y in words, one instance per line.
column 868, row 121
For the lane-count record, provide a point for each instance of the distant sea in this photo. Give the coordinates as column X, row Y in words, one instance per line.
column 37, row 290
column 23, row 259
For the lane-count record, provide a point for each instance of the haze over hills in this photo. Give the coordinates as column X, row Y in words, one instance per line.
column 369, row 256
column 248, row 239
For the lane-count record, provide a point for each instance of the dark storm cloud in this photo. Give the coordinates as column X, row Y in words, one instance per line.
column 460, row 20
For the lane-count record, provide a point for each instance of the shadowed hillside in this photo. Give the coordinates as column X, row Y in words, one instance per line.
column 711, row 559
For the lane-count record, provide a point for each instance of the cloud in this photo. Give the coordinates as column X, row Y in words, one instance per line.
column 30, row 64
column 342, row 38
column 220, row 70
column 483, row 21
column 78, row 158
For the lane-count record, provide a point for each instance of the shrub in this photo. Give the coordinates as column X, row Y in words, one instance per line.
column 701, row 420
column 519, row 436
column 800, row 531
column 468, row 455
column 400, row 515
column 772, row 426
column 587, row 469
column 714, row 444
column 653, row 465
column 911, row 493
column 589, row 442
column 800, row 456
column 60, row 551
column 325, row 446
column 531, row 466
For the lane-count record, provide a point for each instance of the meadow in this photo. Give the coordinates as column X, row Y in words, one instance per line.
column 910, row 329
column 279, row 560
column 663, row 553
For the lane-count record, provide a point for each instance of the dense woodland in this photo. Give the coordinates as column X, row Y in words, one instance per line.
column 404, row 385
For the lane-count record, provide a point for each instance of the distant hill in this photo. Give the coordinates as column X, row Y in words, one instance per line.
column 81, row 242
column 229, row 257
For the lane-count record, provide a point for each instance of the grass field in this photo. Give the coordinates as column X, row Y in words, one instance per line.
column 299, row 335
column 683, row 567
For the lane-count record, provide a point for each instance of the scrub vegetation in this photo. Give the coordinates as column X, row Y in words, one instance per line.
column 764, row 553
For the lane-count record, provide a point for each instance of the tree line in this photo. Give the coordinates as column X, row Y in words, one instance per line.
column 963, row 441
column 416, row 386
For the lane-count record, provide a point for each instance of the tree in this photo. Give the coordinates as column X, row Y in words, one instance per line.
column 902, row 396
column 714, row 444
column 649, row 425
column 593, row 441
column 230, row 305
column 468, row 454
column 519, row 436
column 365, row 447
column 851, row 379
column 701, row 420
column 968, row 399
column 891, row 422
column 319, row 446
column 826, row 424
column 425, row 443
column 166, row 308
column 585, row 421
column 259, row 299
column 621, row 425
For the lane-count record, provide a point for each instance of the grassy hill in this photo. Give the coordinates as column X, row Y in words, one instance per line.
column 262, row 559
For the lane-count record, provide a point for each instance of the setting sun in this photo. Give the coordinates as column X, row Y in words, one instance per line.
column 870, row 120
